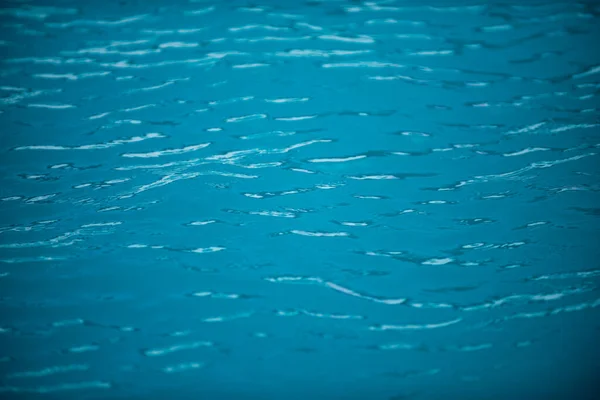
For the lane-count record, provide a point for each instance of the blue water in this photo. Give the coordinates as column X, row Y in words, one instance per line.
column 288, row 199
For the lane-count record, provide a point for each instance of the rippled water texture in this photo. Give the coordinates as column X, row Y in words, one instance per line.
column 299, row 199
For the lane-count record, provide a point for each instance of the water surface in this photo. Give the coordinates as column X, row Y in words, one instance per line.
column 299, row 199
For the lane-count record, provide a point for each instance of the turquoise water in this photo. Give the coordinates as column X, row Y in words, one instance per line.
column 299, row 199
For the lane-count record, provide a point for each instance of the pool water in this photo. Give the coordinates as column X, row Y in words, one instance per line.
column 321, row 199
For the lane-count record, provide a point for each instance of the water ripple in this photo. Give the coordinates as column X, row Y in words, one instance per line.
column 204, row 191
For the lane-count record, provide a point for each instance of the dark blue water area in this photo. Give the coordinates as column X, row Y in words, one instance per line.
column 289, row 199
